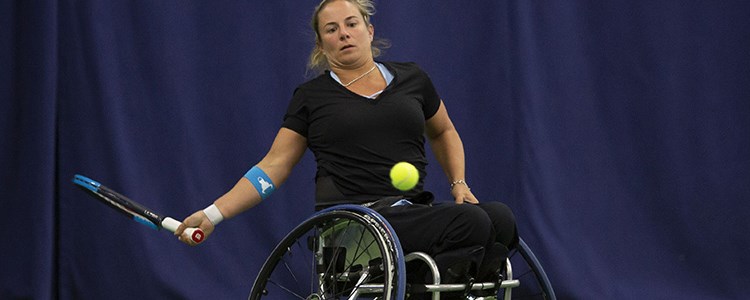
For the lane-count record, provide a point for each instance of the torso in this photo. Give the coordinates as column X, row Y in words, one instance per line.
column 355, row 139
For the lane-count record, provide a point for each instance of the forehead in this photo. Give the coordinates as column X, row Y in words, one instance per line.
column 337, row 11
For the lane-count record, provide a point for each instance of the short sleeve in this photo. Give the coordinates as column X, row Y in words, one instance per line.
column 431, row 98
column 297, row 114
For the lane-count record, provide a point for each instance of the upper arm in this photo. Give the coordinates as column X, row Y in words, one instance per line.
column 287, row 149
column 438, row 123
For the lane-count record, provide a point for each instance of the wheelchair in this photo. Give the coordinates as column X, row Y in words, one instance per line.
column 351, row 252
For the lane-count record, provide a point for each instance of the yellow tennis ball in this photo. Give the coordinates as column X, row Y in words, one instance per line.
column 404, row 176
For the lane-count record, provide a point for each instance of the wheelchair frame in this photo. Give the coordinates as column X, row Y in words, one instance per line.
column 352, row 252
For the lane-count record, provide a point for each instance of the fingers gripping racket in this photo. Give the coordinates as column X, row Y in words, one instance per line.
column 130, row 208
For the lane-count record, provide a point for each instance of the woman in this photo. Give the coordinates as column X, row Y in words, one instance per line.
column 359, row 118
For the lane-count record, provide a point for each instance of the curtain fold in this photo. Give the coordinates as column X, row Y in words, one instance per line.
column 28, row 157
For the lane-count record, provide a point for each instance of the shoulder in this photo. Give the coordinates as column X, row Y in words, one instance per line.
column 407, row 72
column 321, row 86
column 403, row 67
column 321, row 81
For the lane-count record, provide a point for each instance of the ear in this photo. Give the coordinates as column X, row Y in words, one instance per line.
column 319, row 46
column 371, row 30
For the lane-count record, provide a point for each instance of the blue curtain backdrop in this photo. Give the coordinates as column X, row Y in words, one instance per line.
column 618, row 131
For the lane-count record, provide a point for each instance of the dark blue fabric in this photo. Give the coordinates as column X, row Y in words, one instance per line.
column 617, row 131
column 28, row 193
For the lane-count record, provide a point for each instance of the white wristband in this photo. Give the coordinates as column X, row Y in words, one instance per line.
column 213, row 214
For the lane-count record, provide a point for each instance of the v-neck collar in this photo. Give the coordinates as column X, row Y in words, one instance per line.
column 388, row 74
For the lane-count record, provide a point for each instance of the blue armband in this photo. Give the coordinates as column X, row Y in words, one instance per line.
column 260, row 181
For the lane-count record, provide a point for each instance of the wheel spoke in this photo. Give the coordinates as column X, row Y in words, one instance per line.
column 343, row 250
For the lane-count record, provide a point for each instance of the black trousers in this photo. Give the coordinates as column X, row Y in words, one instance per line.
column 444, row 227
column 438, row 228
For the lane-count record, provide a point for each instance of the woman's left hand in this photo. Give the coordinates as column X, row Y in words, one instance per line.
column 462, row 194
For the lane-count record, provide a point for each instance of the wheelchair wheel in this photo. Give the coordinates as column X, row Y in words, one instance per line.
column 346, row 252
column 525, row 267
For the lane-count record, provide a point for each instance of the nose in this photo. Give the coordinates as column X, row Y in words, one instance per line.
column 344, row 35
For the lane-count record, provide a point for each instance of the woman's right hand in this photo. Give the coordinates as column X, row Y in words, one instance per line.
column 197, row 219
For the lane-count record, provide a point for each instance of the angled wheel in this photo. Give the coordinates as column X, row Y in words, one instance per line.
column 345, row 252
column 525, row 267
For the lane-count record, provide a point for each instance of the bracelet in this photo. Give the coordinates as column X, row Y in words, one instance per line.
column 214, row 214
column 460, row 181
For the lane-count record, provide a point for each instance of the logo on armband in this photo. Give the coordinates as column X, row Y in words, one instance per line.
column 261, row 182
column 264, row 185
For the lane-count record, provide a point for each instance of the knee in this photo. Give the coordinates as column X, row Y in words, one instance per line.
column 499, row 212
column 503, row 222
column 472, row 224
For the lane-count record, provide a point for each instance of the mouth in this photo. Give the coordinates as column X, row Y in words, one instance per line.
column 346, row 47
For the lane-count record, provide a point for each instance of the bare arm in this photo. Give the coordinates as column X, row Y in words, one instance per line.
column 449, row 151
column 286, row 151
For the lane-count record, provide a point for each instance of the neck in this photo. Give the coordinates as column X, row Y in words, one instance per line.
column 350, row 75
column 351, row 70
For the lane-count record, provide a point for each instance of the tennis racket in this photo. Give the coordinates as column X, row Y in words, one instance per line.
column 132, row 209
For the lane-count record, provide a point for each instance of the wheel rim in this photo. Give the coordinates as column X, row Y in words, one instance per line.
column 330, row 256
column 534, row 283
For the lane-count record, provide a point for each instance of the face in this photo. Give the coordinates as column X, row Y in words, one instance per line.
column 345, row 38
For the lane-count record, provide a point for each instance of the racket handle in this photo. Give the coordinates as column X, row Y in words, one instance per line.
column 196, row 234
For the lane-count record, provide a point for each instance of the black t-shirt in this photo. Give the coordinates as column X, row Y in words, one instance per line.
column 356, row 140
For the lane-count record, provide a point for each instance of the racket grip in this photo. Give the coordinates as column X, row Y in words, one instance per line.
column 196, row 234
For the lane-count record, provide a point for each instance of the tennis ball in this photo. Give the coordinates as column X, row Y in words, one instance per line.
column 404, row 176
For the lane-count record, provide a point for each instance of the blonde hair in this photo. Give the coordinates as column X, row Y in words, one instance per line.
column 317, row 61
